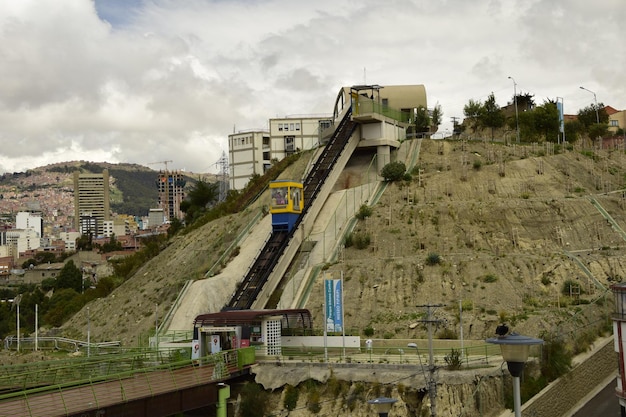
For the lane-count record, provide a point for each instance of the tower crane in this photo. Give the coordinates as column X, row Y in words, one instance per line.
column 161, row 162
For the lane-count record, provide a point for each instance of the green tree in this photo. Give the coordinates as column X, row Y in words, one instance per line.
column 587, row 115
column 198, row 199
column 547, row 120
column 254, row 401
column 597, row 130
column 492, row 116
column 473, row 111
column 573, row 130
column 437, row 115
column 63, row 304
column 175, row 226
column 70, row 277
column 112, row 245
column 84, row 243
column 422, row 120
column 556, row 359
column 393, row 171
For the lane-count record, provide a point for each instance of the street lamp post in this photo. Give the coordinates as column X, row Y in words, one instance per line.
column 595, row 100
column 515, row 349
column 382, row 405
column 516, row 114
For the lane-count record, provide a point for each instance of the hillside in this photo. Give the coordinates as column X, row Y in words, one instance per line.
column 509, row 228
column 133, row 189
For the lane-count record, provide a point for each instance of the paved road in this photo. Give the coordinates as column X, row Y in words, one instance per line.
column 602, row 405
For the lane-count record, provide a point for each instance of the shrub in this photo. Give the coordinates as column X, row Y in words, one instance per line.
column 313, row 401
column 433, row 259
column 571, row 286
column 361, row 240
column 454, row 360
column 368, row 331
column 291, row 397
column 393, row 171
column 489, row 278
column 348, row 241
column 364, row 212
column 446, row 333
column 477, row 164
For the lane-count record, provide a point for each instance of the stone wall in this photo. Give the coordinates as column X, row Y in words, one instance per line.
column 558, row 398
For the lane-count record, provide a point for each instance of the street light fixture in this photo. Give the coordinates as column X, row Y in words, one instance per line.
column 382, row 405
column 516, row 114
column 515, row 349
column 595, row 99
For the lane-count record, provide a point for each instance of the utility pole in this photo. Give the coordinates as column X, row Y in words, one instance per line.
column 432, row 382
column 455, row 124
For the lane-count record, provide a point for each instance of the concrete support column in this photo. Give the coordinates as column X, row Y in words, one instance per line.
column 383, row 156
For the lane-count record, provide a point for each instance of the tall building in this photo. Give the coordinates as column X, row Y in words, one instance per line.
column 171, row 186
column 91, row 202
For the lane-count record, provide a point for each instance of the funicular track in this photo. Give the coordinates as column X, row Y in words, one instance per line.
column 269, row 256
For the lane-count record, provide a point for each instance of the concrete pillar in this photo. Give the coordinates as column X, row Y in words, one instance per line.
column 383, row 156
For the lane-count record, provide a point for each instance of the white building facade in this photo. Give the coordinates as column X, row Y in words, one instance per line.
column 248, row 154
column 26, row 220
column 296, row 133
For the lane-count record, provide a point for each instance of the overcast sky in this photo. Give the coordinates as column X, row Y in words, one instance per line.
column 144, row 81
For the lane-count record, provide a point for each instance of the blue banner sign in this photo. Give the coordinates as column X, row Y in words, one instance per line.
column 334, row 305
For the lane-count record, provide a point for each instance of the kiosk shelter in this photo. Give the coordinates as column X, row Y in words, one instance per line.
column 263, row 329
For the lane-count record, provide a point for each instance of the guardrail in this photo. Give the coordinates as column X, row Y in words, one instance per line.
column 469, row 356
column 35, row 378
column 48, row 342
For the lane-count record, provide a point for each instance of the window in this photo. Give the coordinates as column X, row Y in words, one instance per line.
column 290, row 144
column 291, row 126
column 614, row 123
column 325, row 124
column 280, row 127
column 279, row 197
column 297, row 126
column 386, row 102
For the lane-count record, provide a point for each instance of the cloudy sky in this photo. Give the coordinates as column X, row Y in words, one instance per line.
column 143, row 81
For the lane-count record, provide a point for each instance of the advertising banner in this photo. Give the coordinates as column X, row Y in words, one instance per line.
column 334, row 305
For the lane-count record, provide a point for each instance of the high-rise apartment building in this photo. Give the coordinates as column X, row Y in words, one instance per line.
column 171, row 186
column 91, row 202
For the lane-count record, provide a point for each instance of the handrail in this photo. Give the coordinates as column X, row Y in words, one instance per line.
column 241, row 357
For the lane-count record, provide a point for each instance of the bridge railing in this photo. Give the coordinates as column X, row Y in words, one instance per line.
column 97, row 393
column 76, row 371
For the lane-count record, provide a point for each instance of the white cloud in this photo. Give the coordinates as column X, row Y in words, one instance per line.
column 154, row 80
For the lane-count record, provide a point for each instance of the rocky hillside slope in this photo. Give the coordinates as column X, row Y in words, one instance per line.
column 497, row 229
